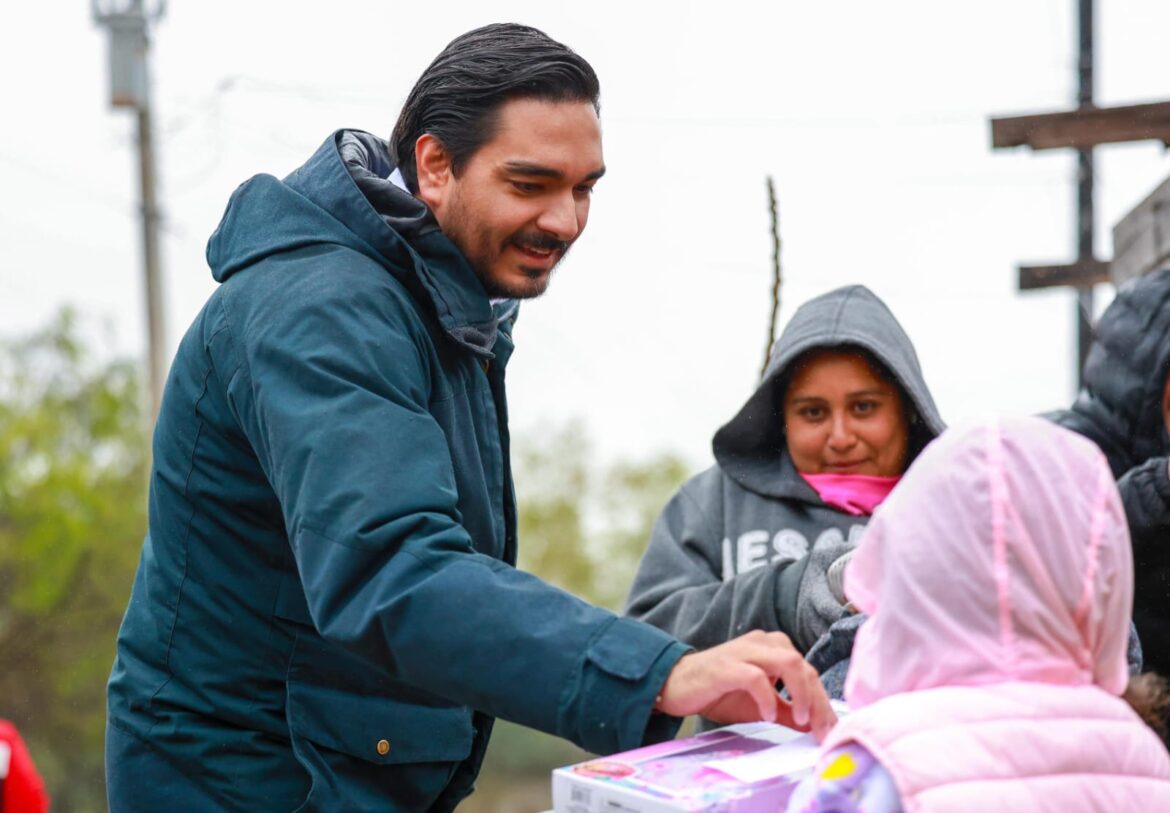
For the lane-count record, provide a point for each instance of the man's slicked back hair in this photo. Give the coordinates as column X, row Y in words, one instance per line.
column 459, row 95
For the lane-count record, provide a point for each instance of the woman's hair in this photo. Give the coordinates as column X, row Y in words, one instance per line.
column 1148, row 694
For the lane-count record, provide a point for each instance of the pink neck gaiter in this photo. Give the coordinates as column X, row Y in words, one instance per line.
column 856, row 494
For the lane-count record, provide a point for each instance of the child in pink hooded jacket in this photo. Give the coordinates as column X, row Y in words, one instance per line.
column 999, row 586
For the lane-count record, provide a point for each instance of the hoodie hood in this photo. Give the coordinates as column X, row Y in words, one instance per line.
column 342, row 195
column 751, row 448
column 1002, row 556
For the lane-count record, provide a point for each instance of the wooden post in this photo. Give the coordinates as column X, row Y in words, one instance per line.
column 1081, row 129
column 772, row 208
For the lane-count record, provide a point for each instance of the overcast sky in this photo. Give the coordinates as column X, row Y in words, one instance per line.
column 872, row 117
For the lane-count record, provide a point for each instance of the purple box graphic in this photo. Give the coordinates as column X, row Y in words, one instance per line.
column 739, row 769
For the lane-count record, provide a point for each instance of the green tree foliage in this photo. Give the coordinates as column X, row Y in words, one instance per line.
column 584, row 528
column 552, row 479
column 72, row 515
column 630, row 496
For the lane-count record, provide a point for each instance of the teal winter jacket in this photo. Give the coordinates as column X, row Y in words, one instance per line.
column 326, row 615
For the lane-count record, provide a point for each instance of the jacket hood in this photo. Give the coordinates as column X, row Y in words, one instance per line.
column 751, row 448
column 1002, row 556
column 1125, row 372
column 342, row 195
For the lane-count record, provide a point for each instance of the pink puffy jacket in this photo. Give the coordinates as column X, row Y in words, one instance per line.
column 999, row 584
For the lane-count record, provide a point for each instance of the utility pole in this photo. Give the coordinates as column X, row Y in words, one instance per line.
column 1085, row 210
column 127, row 22
column 1081, row 129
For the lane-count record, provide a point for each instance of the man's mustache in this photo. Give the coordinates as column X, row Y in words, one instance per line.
column 542, row 242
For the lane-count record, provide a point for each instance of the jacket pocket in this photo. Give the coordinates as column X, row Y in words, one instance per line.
column 371, row 753
column 380, row 730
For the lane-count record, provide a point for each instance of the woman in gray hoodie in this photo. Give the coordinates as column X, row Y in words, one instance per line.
column 750, row 543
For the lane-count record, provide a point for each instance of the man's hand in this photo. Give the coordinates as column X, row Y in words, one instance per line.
column 735, row 682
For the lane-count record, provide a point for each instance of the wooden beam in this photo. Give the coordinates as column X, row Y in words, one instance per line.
column 1083, row 128
column 1080, row 274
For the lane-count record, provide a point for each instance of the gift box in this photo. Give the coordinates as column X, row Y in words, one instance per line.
column 738, row 769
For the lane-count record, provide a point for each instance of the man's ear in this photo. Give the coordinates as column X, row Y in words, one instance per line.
column 432, row 164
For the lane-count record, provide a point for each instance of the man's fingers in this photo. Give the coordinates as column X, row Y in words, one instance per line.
column 751, row 684
column 824, row 718
column 734, row 676
column 809, row 707
column 784, row 715
column 799, row 681
column 807, row 695
column 771, row 651
column 763, row 691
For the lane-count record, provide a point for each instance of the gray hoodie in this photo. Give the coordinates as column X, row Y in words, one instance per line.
column 746, row 544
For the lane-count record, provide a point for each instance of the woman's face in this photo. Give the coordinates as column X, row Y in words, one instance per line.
column 842, row 417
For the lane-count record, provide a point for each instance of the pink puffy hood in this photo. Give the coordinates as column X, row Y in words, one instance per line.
column 1003, row 555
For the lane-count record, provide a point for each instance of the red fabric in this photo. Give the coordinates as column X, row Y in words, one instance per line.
column 24, row 790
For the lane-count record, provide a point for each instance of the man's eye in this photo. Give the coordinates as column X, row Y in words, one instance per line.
column 526, row 186
column 584, row 190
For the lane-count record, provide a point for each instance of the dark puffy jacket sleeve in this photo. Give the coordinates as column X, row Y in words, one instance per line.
column 1145, row 493
column 679, row 586
column 333, row 391
column 1091, row 418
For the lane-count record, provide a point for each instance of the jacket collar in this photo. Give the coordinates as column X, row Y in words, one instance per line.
column 349, row 177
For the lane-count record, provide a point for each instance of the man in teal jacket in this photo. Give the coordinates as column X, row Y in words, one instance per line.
column 326, row 615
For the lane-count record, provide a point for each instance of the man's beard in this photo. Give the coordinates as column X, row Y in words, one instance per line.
column 484, row 251
column 535, row 284
column 535, row 280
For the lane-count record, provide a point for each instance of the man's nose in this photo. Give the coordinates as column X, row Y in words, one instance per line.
column 560, row 218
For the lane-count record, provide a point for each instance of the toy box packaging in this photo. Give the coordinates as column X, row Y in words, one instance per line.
column 738, row 769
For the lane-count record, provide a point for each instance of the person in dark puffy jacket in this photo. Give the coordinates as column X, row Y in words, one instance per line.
column 1124, row 407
